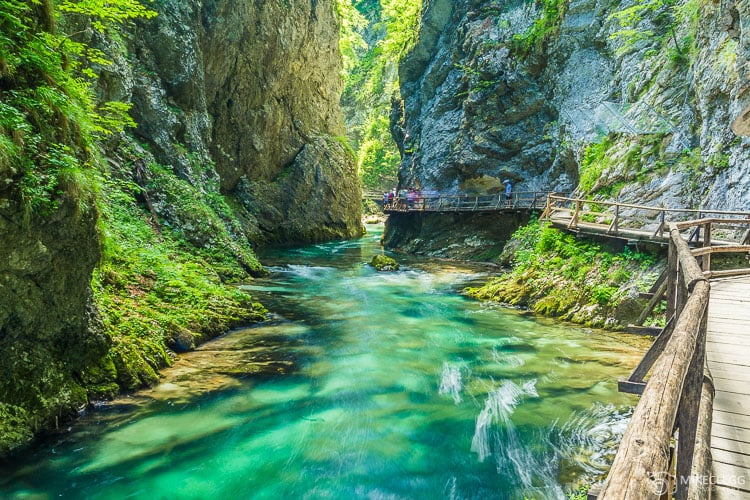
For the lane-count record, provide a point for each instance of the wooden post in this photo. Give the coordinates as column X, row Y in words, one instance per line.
column 614, row 227
column 681, row 291
column 547, row 213
column 700, row 475
column 688, row 412
column 652, row 303
column 574, row 219
column 707, row 243
column 663, row 222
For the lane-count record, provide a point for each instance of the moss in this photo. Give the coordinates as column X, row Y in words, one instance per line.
column 555, row 274
column 384, row 263
column 164, row 285
column 544, row 28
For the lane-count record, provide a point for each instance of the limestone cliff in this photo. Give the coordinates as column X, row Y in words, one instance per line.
column 571, row 95
column 237, row 144
column 247, row 86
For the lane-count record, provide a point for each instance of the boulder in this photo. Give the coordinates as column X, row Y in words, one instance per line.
column 384, row 263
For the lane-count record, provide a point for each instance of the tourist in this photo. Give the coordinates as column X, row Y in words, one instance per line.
column 508, row 192
column 411, row 197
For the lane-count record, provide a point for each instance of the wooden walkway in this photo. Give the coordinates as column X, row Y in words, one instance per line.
column 728, row 356
column 690, row 432
column 526, row 201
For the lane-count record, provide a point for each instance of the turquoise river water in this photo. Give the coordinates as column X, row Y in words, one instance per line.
column 365, row 385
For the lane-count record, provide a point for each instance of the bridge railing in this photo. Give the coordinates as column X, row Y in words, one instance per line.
column 468, row 203
column 651, row 462
column 614, row 218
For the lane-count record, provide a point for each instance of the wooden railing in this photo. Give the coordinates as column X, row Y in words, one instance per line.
column 651, row 462
column 615, row 218
column 527, row 200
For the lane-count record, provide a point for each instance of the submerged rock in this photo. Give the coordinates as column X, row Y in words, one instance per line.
column 384, row 263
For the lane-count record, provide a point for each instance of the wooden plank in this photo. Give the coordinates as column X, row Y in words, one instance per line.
column 643, row 330
column 724, row 493
column 630, row 387
column 733, row 419
column 735, row 403
column 729, row 311
column 726, row 370
column 723, row 335
column 732, row 476
column 737, row 359
column 721, row 443
column 738, row 341
column 731, row 296
column 653, row 353
column 726, row 328
column 729, row 325
column 733, row 386
column 730, row 432
column 731, row 350
column 727, row 457
column 697, row 252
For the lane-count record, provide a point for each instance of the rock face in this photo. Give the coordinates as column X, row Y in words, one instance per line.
column 565, row 95
column 49, row 329
column 253, row 88
column 244, row 93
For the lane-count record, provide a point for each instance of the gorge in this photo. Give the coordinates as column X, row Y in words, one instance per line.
column 149, row 154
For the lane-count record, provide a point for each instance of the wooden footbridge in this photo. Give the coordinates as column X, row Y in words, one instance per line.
column 689, row 436
column 527, row 201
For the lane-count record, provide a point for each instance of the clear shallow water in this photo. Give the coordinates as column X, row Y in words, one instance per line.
column 368, row 385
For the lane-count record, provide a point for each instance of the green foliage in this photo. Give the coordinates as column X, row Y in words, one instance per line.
column 403, row 20
column 351, row 42
column 581, row 493
column 618, row 159
column 546, row 26
column 556, row 274
column 14, row 429
column 593, row 164
column 378, row 157
column 48, row 119
column 667, row 16
column 154, row 289
column 106, row 13
column 373, row 80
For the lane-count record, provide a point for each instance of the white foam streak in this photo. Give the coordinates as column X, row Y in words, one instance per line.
column 451, row 382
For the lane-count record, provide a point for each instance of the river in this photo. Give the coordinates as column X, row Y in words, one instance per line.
column 364, row 384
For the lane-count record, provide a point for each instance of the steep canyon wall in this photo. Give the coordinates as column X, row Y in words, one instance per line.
column 239, row 143
column 577, row 95
column 252, row 87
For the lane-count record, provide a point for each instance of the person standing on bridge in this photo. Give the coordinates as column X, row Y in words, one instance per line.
column 508, row 192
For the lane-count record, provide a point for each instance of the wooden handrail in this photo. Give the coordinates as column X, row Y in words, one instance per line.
column 642, row 462
column 702, row 222
column 648, row 207
column 465, row 202
column 698, row 252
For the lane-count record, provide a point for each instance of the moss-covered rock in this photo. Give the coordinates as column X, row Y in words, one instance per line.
column 384, row 263
column 556, row 275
